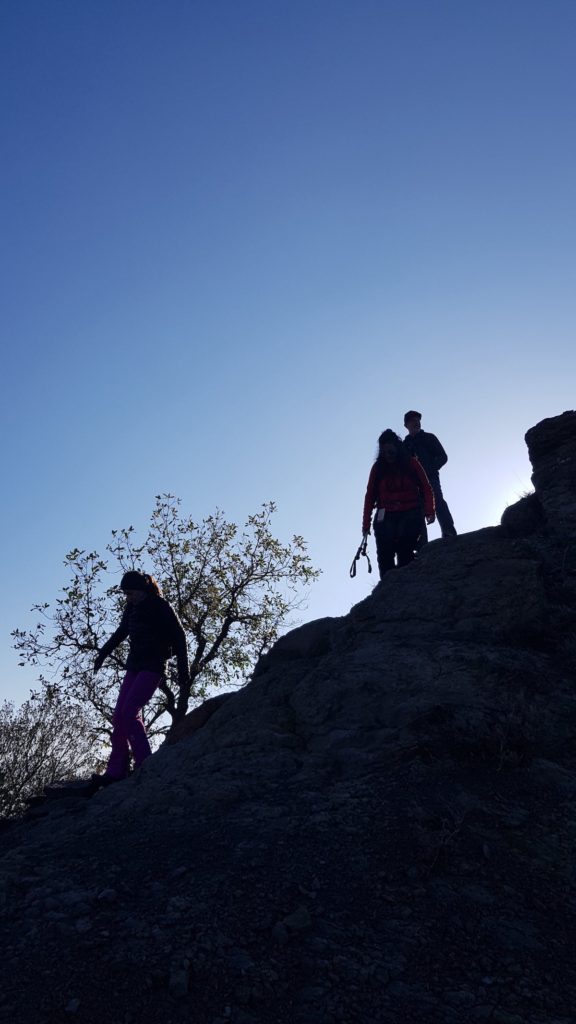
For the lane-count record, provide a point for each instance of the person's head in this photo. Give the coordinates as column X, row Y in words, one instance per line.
column 389, row 448
column 412, row 421
column 137, row 586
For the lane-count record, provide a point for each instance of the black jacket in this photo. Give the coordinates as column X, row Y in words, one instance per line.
column 428, row 450
column 155, row 633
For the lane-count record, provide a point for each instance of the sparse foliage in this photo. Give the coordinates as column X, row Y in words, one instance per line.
column 41, row 742
column 233, row 590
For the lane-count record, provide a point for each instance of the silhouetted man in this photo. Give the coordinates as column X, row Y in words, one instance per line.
column 431, row 455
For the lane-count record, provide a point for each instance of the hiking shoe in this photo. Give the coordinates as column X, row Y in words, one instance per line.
column 93, row 785
column 102, row 781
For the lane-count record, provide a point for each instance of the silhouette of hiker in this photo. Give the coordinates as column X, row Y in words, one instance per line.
column 398, row 487
column 430, row 453
column 155, row 634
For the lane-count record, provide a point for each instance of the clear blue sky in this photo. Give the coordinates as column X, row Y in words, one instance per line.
column 241, row 237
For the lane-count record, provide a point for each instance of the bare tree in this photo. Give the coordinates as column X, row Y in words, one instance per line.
column 41, row 742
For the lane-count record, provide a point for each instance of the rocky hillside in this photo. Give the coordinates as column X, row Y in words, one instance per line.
column 379, row 828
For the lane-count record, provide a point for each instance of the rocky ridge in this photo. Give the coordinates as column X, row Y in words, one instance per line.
column 379, row 827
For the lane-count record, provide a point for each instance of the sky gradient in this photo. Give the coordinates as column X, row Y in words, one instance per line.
column 241, row 237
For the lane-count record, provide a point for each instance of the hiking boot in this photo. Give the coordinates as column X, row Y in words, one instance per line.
column 93, row 784
column 108, row 780
column 102, row 781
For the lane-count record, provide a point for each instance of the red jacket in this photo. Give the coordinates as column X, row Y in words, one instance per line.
column 398, row 491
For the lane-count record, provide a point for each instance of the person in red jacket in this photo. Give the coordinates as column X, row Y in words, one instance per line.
column 399, row 490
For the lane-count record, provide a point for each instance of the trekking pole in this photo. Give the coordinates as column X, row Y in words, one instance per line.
column 361, row 551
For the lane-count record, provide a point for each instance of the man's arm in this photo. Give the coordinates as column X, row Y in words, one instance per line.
column 437, row 452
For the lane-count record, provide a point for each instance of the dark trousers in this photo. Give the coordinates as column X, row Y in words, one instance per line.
column 397, row 534
column 443, row 513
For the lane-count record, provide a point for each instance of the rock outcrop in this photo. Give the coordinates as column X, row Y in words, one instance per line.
column 379, row 827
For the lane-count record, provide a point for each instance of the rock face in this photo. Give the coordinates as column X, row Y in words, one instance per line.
column 379, row 827
column 551, row 449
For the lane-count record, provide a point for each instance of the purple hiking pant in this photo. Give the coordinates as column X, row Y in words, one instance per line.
column 129, row 732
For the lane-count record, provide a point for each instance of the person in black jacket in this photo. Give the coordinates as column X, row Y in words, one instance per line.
column 155, row 634
column 431, row 455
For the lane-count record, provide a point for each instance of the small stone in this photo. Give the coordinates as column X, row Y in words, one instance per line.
column 460, row 998
column 300, row 920
column 242, row 993
column 107, row 896
column 316, row 944
column 157, row 978
column 311, row 994
column 280, row 933
column 178, row 980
